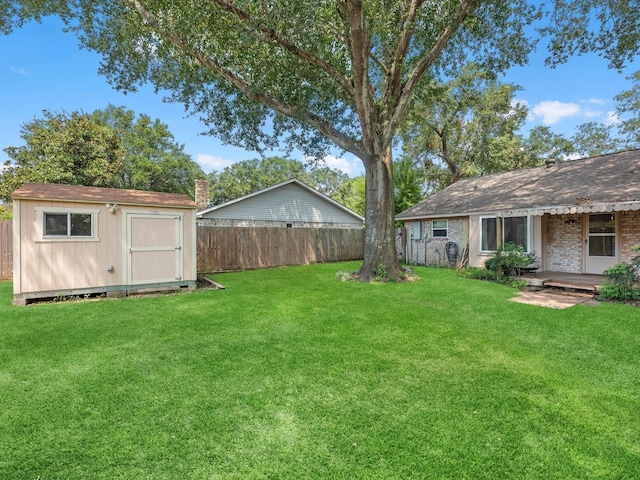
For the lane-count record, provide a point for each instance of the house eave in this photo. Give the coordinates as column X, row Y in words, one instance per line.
column 535, row 211
column 602, row 207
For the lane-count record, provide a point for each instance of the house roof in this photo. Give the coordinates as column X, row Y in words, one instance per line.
column 79, row 193
column 603, row 183
column 264, row 192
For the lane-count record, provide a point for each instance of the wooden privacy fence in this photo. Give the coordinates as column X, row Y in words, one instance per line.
column 240, row 248
column 6, row 249
column 243, row 248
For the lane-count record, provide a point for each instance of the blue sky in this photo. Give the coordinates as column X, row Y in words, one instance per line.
column 43, row 68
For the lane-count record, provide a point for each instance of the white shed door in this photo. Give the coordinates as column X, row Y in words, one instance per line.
column 154, row 248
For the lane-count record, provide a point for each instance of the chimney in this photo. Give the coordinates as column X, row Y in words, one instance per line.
column 202, row 194
column 550, row 162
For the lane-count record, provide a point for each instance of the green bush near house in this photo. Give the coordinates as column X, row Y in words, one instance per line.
column 508, row 257
column 478, row 273
column 290, row 373
column 623, row 281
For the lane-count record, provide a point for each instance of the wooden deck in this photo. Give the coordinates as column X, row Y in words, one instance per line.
column 567, row 281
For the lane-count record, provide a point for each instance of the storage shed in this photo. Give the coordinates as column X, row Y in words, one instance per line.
column 76, row 240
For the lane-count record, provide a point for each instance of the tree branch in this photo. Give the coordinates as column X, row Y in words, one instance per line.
column 400, row 54
column 303, row 115
column 465, row 8
column 271, row 34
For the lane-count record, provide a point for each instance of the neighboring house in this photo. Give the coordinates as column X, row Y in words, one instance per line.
column 290, row 204
column 75, row 240
column 579, row 216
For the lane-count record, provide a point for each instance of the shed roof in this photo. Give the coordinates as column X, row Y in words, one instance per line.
column 79, row 193
column 594, row 183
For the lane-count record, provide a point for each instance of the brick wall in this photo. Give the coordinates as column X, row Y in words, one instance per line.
column 629, row 234
column 564, row 243
column 427, row 250
column 202, row 194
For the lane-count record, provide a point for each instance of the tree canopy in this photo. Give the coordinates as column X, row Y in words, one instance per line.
column 309, row 75
column 466, row 126
column 248, row 176
column 107, row 148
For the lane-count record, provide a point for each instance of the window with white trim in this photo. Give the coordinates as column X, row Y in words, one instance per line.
column 514, row 229
column 440, row 228
column 67, row 224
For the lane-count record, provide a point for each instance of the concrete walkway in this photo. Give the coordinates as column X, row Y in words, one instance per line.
column 554, row 299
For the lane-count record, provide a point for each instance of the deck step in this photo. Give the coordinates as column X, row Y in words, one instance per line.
column 568, row 285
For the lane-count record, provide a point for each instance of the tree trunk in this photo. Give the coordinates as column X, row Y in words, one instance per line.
column 380, row 258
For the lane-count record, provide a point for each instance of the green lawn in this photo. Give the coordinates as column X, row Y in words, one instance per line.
column 291, row 374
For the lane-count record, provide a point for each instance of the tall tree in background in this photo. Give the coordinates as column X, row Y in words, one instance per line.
column 243, row 178
column 593, row 138
column 621, row 133
column 312, row 74
column 107, row 148
column 352, row 194
column 409, row 180
column 153, row 159
column 543, row 144
column 464, row 127
column 63, row 148
column 628, row 103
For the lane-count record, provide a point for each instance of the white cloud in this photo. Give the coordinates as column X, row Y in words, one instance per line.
column 352, row 167
column 597, row 101
column 592, row 113
column 612, row 118
column 19, row 70
column 553, row 111
column 212, row 162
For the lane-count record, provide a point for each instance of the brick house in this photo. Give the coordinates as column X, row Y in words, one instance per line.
column 578, row 216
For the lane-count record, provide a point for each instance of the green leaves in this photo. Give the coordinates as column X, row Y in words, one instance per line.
column 108, row 148
column 463, row 127
column 582, row 26
column 249, row 176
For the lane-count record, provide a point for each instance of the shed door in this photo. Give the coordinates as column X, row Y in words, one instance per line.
column 154, row 248
column 601, row 242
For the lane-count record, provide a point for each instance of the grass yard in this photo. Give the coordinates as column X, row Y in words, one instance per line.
column 290, row 374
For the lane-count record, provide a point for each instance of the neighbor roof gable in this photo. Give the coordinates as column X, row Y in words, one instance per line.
column 293, row 181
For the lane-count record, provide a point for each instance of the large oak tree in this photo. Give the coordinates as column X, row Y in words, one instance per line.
column 309, row 75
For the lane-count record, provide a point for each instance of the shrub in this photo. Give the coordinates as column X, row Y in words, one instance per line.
column 508, row 257
column 342, row 276
column 380, row 272
column 623, row 281
column 477, row 273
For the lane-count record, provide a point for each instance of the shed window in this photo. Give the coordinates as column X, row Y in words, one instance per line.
column 514, row 229
column 440, row 228
column 67, row 224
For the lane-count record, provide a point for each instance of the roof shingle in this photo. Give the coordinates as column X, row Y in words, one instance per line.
column 79, row 193
column 609, row 178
